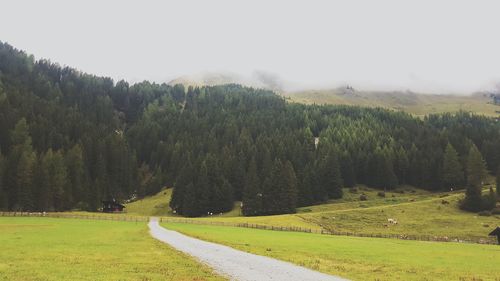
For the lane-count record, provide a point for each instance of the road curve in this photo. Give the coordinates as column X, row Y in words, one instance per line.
column 235, row 264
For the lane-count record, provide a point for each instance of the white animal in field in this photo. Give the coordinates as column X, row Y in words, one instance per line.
column 393, row 221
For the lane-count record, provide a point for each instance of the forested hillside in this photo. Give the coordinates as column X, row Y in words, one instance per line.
column 70, row 139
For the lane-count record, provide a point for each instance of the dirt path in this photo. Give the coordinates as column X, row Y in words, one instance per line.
column 235, row 264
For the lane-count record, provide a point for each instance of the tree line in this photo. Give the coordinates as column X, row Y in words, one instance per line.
column 69, row 140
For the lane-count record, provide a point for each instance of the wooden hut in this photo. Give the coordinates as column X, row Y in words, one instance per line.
column 496, row 232
column 112, row 206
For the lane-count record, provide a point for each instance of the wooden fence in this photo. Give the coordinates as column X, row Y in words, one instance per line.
column 120, row 217
column 430, row 238
column 77, row 216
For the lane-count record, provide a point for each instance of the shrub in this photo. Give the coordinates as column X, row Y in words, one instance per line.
column 496, row 211
column 381, row 194
column 485, row 213
column 353, row 190
column 363, row 197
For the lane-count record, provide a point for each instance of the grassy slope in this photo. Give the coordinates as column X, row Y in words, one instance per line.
column 417, row 104
column 418, row 213
column 66, row 249
column 425, row 216
column 156, row 205
column 360, row 258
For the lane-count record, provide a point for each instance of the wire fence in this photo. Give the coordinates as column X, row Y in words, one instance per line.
column 120, row 217
column 430, row 238
column 77, row 216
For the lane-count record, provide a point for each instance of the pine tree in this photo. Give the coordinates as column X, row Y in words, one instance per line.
column 44, row 192
column 76, row 174
column 289, row 193
column 206, row 190
column 347, row 170
column 272, row 189
column 331, row 178
column 184, row 178
column 59, row 182
column 453, row 174
column 224, row 197
column 388, row 178
column 306, row 188
column 191, row 201
column 252, row 195
column 24, row 181
column 476, row 172
column 3, row 194
column 498, row 182
column 401, row 166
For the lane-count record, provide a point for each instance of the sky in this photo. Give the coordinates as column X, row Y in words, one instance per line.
column 436, row 46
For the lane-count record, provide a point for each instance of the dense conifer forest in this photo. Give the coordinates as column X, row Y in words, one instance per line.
column 69, row 140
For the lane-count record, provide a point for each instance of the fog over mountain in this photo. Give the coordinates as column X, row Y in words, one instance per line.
column 423, row 46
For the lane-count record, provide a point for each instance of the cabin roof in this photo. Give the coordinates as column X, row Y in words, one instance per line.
column 112, row 202
column 495, row 232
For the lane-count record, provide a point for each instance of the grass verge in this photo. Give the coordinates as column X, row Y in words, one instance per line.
column 51, row 249
column 359, row 258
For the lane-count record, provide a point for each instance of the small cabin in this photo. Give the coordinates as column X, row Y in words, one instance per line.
column 112, row 206
column 496, row 232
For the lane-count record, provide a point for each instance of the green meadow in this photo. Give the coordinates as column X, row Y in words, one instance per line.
column 413, row 103
column 408, row 205
column 51, row 249
column 360, row 258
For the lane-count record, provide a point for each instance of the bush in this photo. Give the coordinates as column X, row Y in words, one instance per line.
column 381, row 194
column 485, row 213
column 495, row 211
column 363, row 197
column 353, row 190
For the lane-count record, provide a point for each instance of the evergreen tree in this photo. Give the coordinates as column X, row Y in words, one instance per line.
column 3, row 194
column 306, row 189
column 76, row 175
column 271, row 189
column 252, row 195
column 44, row 192
column 191, row 201
column 347, row 170
column 290, row 191
column 185, row 177
column 24, row 181
column 498, row 183
column 331, row 178
column 58, row 182
column 452, row 169
column 490, row 200
column 206, row 190
column 476, row 172
column 224, row 197
column 401, row 166
column 388, row 178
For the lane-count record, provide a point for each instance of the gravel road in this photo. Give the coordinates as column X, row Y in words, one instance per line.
column 235, row 264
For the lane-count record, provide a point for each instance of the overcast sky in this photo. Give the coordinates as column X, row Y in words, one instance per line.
column 426, row 46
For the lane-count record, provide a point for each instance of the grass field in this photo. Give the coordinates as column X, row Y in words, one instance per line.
column 45, row 249
column 360, row 258
column 424, row 216
column 419, row 213
column 416, row 104
column 156, row 205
